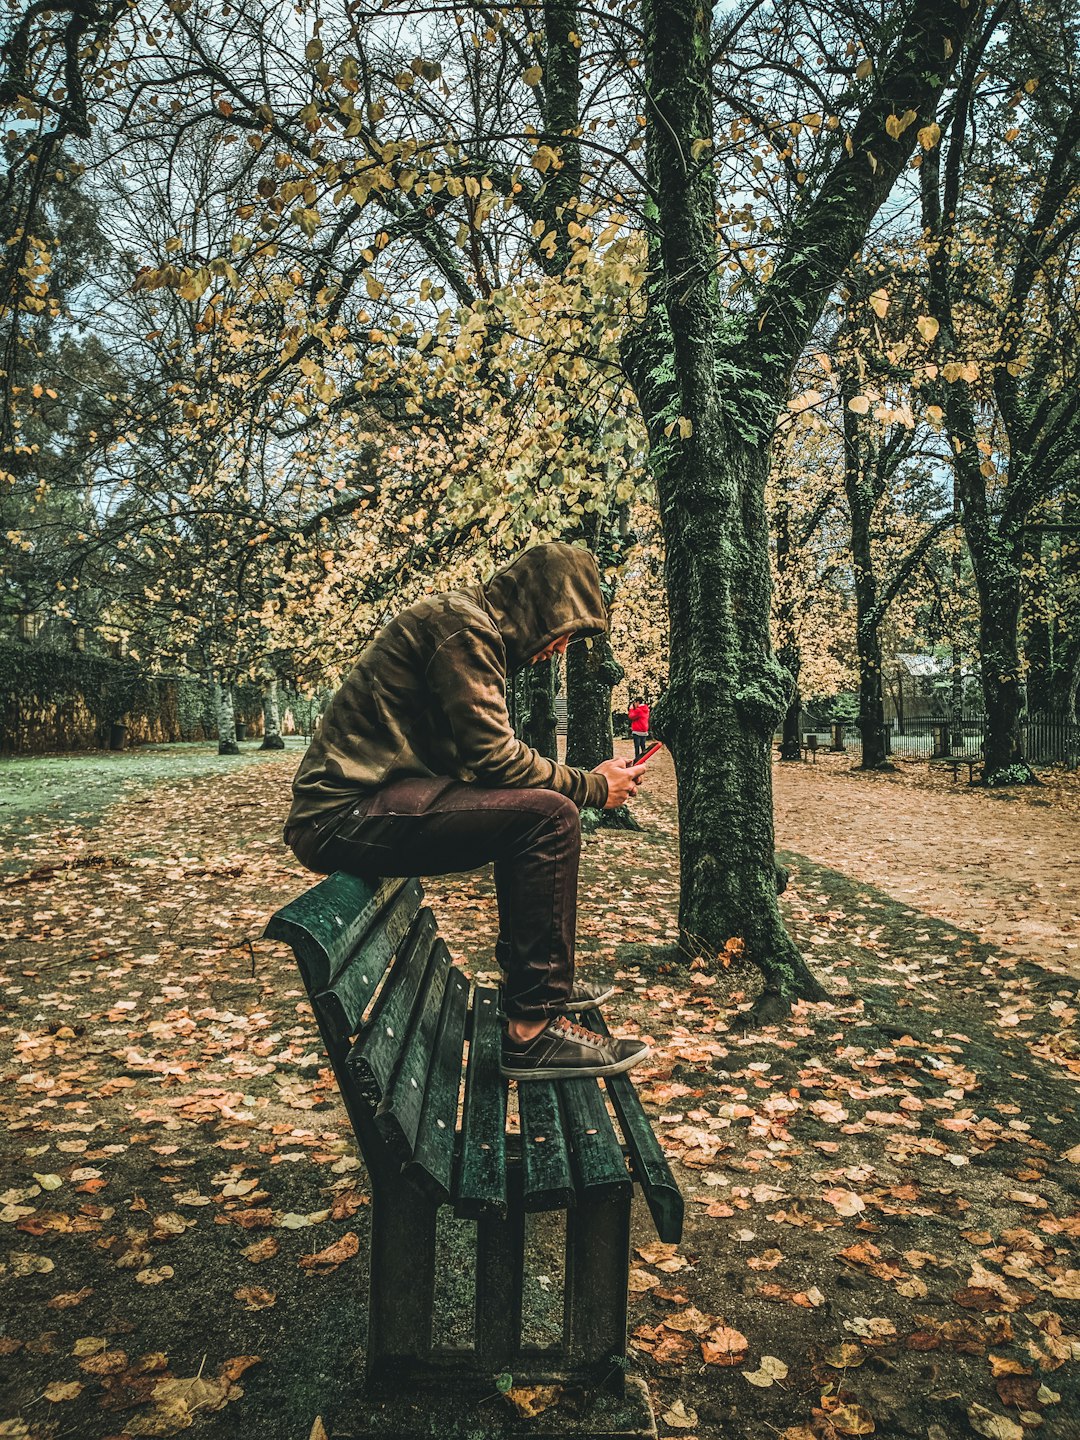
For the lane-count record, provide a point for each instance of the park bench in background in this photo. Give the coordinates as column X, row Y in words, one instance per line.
column 396, row 1045
column 954, row 763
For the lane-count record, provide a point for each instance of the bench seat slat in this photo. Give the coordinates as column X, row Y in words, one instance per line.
column 432, row 1163
column 327, row 924
column 549, row 1183
column 398, row 1115
column 372, row 1059
column 648, row 1162
column 350, row 992
column 597, row 1156
column 480, row 1181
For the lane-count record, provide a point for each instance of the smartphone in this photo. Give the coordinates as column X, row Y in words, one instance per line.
column 649, row 753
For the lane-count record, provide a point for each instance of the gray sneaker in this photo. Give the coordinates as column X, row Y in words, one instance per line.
column 565, row 1051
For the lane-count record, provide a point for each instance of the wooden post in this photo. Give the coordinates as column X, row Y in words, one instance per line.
column 401, row 1294
column 500, row 1267
column 598, row 1252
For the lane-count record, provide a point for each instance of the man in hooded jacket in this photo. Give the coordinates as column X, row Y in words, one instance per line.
column 417, row 771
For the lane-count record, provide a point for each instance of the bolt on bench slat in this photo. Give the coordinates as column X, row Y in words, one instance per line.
column 480, row 1183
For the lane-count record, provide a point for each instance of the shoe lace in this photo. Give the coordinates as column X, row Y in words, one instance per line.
column 579, row 1032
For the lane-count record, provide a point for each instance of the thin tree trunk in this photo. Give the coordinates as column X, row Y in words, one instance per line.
column 788, row 647
column 536, row 714
column 272, row 739
column 225, row 709
column 592, row 672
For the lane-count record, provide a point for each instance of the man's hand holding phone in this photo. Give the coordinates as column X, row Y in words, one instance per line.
column 623, row 777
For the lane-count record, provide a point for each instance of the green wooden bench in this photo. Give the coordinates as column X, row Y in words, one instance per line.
column 397, row 1046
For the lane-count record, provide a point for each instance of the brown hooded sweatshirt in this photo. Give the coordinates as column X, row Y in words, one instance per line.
column 428, row 695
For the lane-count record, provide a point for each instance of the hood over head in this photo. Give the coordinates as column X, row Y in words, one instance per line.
column 548, row 591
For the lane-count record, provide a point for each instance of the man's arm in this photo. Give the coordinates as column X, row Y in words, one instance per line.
column 466, row 677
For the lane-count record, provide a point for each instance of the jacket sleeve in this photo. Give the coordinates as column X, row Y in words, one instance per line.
column 466, row 678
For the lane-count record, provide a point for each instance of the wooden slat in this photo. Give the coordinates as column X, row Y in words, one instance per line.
column 480, row 1182
column 398, row 1115
column 344, row 1001
column 432, row 1163
column 325, row 925
column 373, row 1057
column 545, row 1156
column 597, row 1157
column 647, row 1160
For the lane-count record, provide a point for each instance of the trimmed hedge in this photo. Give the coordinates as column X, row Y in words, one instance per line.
column 62, row 700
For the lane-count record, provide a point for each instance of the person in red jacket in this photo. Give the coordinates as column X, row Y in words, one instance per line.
column 639, row 726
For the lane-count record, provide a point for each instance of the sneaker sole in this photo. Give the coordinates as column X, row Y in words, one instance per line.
column 575, row 1072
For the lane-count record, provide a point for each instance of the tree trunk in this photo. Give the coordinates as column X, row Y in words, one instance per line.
column 997, row 560
column 791, row 741
column 863, row 488
column 875, row 751
column 535, row 714
column 788, row 645
column 272, row 739
column 225, row 710
column 592, row 672
column 710, row 381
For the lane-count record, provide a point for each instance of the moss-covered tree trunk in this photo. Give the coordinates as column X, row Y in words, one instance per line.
column 710, row 385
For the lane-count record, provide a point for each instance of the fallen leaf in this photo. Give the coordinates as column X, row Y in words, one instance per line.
column 845, row 1356
column 255, row 1297
column 994, row 1427
column 334, row 1255
column 261, row 1250
column 851, row 1419
column 844, row 1202
column 770, row 1370
column 530, row 1400
column 63, row 1390
column 678, row 1417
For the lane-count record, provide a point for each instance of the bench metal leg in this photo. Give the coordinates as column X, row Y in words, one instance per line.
column 401, row 1298
column 598, row 1246
column 500, row 1266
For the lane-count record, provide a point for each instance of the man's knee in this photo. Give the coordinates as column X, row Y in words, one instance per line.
column 554, row 816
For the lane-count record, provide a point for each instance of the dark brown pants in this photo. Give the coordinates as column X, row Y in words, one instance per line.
column 439, row 827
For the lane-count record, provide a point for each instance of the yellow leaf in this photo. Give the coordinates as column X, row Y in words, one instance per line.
column 879, row 303
column 62, row 1390
column 533, row 75
column 374, row 287
column 927, row 327
column 863, row 69
column 859, row 405
column 698, row 148
column 929, row 135
column 897, row 124
column 530, row 1400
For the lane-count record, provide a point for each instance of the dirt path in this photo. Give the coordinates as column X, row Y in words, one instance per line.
column 1000, row 864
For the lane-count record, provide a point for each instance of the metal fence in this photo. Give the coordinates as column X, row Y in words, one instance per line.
column 1048, row 739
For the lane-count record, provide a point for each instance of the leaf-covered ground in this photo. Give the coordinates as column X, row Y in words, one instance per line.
column 882, row 1194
